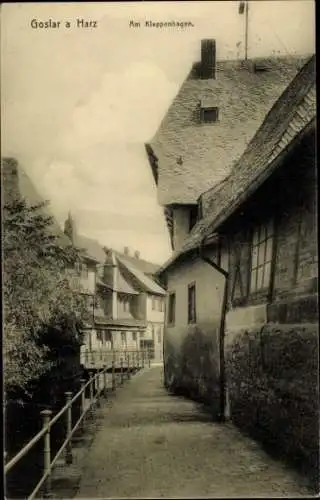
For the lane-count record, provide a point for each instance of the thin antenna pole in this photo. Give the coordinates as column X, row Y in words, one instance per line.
column 246, row 30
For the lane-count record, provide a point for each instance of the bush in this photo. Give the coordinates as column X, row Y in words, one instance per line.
column 273, row 383
column 43, row 312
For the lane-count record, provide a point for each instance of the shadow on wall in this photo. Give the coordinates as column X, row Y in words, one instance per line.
column 274, row 391
column 192, row 369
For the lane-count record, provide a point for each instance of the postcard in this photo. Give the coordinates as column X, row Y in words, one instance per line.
column 160, row 259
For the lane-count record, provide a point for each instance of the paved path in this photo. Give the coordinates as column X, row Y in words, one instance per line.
column 151, row 444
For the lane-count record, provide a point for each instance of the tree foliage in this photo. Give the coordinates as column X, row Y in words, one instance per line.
column 44, row 311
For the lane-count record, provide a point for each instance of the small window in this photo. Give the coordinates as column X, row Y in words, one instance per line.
column 261, row 257
column 192, row 303
column 134, row 336
column 123, row 338
column 209, row 115
column 171, row 308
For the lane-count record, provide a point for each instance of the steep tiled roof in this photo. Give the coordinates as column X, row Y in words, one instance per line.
column 144, row 281
column 290, row 116
column 144, row 266
column 187, row 157
column 17, row 183
column 92, row 248
column 122, row 286
column 95, row 251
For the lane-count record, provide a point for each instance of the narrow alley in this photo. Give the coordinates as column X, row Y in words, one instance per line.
column 152, row 444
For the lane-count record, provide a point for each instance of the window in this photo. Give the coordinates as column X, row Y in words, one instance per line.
column 171, row 308
column 134, row 336
column 209, row 115
column 84, row 270
column 108, row 336
column 123, row 338
column 192, row 303
column 261, row 257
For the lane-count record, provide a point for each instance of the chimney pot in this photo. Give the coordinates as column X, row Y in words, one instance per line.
column 208, row 59
column 137, row 254
column 126, row 251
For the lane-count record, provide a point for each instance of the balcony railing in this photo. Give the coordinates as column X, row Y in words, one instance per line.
column 96, row 358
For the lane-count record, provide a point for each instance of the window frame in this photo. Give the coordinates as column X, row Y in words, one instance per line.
column 84, row 270
column 204, row 110
column 123, row 339
column 192, row 303
column 263, row 243
column 171, row 317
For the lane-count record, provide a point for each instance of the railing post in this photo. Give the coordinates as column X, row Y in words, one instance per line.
column 149, row 358
column 121, row 371
column 143, row 358
column 46, row 416
column 98, row 388
column 113, row 376
column 68, row 395
column 128, row 365
column 138, row 360
column 91, row 389
column 83, row 399
column 105, row 381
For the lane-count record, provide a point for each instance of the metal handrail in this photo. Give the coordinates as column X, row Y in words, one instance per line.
column 45, row 431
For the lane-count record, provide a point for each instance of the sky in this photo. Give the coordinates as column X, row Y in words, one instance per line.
column 78, row 104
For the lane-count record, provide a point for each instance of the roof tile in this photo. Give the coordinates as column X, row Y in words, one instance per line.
column 207, row 151
column 272, row 137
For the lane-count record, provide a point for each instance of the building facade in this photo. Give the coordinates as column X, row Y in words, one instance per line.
column 126, row 305
column 215, row 114
column 242, row 309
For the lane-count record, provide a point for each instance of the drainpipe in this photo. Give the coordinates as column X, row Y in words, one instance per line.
column 221, row 330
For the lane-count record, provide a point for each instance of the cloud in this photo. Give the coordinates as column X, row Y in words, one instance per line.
column 126, row 107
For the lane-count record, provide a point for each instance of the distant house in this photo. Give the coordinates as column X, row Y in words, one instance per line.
column 127, row 305
column 251, row 260
column 214, row 116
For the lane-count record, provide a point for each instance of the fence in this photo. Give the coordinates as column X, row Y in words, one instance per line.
column 99, row 357
column 97, row 386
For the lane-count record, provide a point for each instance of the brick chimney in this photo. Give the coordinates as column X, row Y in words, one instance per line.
column 126, row 251
column 137, row 254
column 208, row 59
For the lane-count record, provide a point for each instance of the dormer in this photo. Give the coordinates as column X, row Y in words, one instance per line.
column 208, row 111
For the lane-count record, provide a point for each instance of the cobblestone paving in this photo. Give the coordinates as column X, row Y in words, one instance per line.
column 151, row 444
